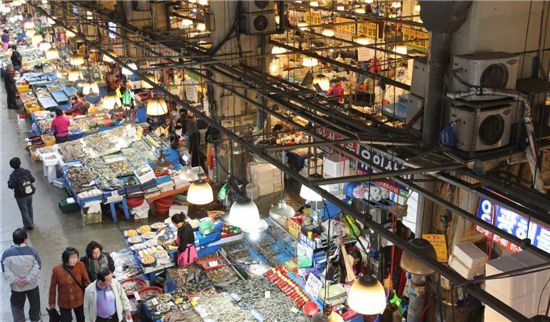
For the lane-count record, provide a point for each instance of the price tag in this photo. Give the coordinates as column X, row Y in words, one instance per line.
column 136, row 296
column 294, row 310
column 212, row 264
column 267, row 294
column 313, row 285
column 154, row 301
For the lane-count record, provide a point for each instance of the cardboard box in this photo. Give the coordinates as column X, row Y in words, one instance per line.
column 470, row 255
column 515, row 287
column 464, row 270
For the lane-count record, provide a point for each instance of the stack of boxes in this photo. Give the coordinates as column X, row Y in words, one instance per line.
column 335, row 166
column 468, row 260
column 523, row 292
column 266, row 177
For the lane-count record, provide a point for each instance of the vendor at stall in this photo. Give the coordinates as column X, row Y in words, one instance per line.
column 187, row 252
column 337, row 89
column 77, row 107
column 16, row 58
column 60, row 126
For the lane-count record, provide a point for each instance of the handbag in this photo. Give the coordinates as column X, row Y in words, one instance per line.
column 54, row 315
column 74, row 278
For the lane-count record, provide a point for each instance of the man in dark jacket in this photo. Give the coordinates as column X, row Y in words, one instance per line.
column 11, row 88
column 16, row 58
column 21, row 182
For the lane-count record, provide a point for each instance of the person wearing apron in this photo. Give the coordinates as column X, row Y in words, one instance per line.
column 187, row 252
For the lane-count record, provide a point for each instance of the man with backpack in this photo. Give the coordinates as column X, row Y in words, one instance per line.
column 21, row 181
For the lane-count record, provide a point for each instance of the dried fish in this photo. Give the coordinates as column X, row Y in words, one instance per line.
column 72, row 150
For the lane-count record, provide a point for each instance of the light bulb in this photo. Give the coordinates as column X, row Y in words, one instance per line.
column 396, row 4
column 340, row 8
column 201, row 26
column 360, row 11
column 274, row 67
column 314, row 4
column 363, row 40
column 203, row 2
column 187, row 22
column 276, row 50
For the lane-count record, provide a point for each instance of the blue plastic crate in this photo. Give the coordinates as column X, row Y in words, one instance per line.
column 205, row 251
column 202, row 240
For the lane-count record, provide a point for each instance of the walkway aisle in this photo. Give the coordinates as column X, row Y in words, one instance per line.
column 53, row 230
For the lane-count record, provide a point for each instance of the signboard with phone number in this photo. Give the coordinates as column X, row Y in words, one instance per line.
column 514, row 224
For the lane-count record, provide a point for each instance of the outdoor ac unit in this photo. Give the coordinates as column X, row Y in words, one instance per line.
column 485, row 70
column 481, row 125
column 258, row 17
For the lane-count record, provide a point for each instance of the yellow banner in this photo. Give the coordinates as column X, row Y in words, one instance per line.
column 415, row 38
column 347, row 26
column 440, row 245
column 367, row 29
column 313, row 18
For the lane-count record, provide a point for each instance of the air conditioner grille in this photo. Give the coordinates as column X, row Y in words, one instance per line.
column 494, row 76
column 261, row 23
column 261, row 4
column 491, row 129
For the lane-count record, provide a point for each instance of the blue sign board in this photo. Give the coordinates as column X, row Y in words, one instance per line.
column 514, row 224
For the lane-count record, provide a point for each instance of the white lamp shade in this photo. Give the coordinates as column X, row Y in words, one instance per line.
column 87, row 88
column 50, row 21
column 363, row 40
column 74, row 75
column 109, row 101
column 401, row 50
column 340, row 8
column 44, row 46
column 146, row 85
column 132, row 68
column 243, row 212
column 396, row 5
column 302, row 25
column 201, row 26
column 328, row 32
column 52, row 53
column 367, row 296
column 322, row 81
column 36, row 39
column 187, row 22
column 30, row 32
column 76, row 60
column 157, row 107
column 281, row 210
column 309, row 195
column 314, row 4
column 107, row 58
column 276, row 50
column 203, row 2
column 70, row 34
column 309, row 62
column 94, row 88
column 200, row 193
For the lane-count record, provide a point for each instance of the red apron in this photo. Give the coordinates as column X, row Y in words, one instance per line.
column 188, row 256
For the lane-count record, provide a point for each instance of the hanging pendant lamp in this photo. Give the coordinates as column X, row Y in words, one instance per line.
column 245, row 214
column 109, row 101
column 310, row 62
column 367, row 296
column 327, row 315
column 52, row 53
column 36, row 39
column 107, row 58
column 328, row 32
column 87, row 88
column 76, row 60
column 413, row 265
column 322, row 81
column 132, row 67
column 309, row 195
column 156, row 107
column 200, row 193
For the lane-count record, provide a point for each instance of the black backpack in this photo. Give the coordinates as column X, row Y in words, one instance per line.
column 25, row 186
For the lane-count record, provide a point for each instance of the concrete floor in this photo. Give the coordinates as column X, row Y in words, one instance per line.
column 55, row 230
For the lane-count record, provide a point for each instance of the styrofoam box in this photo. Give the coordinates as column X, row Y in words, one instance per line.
column 464, row 270
column 470, row 255
column 517, row 286
column 527, row 305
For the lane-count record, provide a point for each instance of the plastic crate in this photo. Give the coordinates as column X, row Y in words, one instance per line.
column 23, row 88
column 67, row 207
column 205, row 251
column 211, row 263
column 48, row 139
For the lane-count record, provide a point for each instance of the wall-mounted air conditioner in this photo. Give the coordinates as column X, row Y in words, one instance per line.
column 485, row 70
column 481, row 125
column 258, row 17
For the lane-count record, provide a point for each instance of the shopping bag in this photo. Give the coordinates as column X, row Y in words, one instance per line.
column 54, row 315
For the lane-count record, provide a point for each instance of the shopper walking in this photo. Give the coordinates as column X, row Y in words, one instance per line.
column 6, row 40
column 105, row 299
column 69, row 280
column 60, row 126
column 16, row 58
column 96, row 259
column 187, row 252
column 21, row 181
column 11, row 88
column 20, row 267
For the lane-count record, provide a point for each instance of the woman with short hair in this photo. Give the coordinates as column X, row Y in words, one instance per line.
column 96, row 259
column 69, row 280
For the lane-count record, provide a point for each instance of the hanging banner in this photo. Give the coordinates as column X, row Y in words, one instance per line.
column 313, row 18
column 512, row 223
column 384, row 161
column 367, row 29
column 415, row 38
column 345, row 26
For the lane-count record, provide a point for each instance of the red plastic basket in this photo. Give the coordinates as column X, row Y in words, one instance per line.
column 211, row 263
column 136, row 280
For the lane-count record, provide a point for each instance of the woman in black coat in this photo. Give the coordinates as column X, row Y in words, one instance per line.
column 96, row 259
